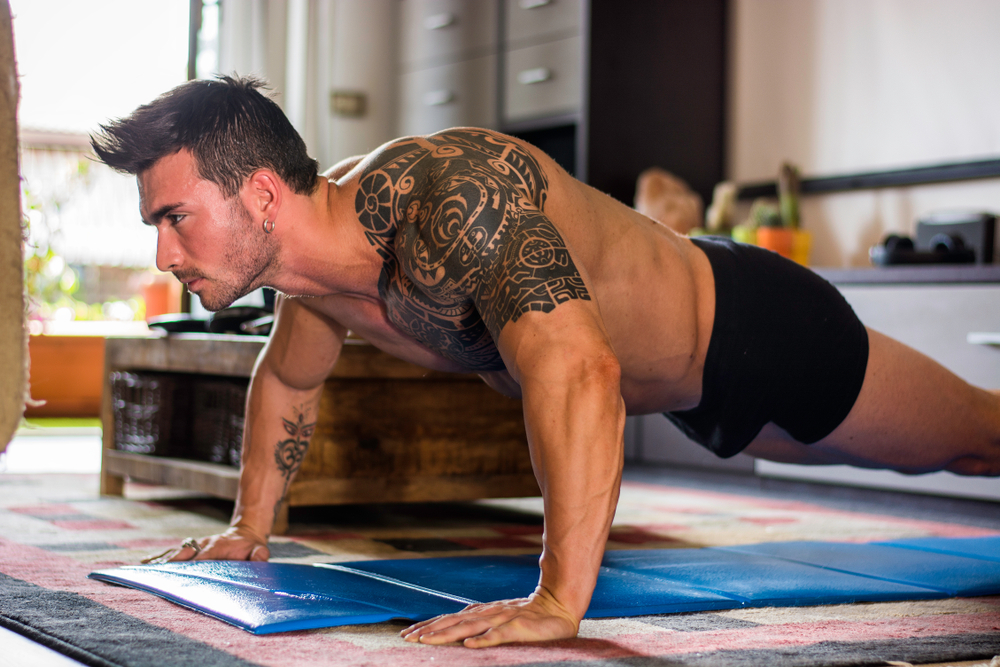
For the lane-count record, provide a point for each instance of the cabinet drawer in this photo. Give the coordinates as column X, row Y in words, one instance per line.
column 543, row 80
column 536, row 20
column 937, row 320
column 463, row 93
column 436, row 31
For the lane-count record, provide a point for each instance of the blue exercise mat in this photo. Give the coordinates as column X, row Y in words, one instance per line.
column 986, row 548
column 484, row 578
column 950, row 574
column 760, row 581
column 264, row 598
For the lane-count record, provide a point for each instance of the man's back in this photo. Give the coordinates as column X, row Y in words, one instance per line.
column 446, row 212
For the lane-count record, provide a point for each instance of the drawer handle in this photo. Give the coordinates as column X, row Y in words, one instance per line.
column 533, row 4
column 983, row 338
column 438, row 21
column 534, row 75
column 437, row 98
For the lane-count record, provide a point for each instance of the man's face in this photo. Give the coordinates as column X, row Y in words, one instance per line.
column 209, row 242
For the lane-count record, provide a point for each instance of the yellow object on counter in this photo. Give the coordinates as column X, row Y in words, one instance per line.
column 801, row 246
column 745, row 234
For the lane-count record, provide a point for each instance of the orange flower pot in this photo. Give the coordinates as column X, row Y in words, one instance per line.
column 801, row 245
column 778, row 239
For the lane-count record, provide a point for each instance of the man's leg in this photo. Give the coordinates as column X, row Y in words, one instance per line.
column 912, row 415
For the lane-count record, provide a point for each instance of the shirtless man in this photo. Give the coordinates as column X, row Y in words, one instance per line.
column 468, row 250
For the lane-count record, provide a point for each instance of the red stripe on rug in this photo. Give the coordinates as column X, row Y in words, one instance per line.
column 92, row 524
column 803, row 634
column 44, row 510
column 147, row 543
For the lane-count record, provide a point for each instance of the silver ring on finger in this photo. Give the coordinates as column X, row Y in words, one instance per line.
column 192, row 543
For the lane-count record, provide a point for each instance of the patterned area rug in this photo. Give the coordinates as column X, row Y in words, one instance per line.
column 54, row 529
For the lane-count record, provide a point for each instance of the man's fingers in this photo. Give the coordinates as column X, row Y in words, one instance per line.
column 182, row 553
column 227, row 546
column 458, row 631
column 482, row 625
column 159, row 558
column 448, row 618
column 412, row 633
column 260, row 553
column 492, row 637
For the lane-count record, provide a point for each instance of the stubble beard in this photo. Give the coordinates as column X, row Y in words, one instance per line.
column 251, row 257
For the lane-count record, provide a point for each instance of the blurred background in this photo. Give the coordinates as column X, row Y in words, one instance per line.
column 707, row 115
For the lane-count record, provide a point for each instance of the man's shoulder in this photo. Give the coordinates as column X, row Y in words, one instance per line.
column 416, row 165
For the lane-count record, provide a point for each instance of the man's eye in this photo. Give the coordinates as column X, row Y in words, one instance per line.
column 175, row 217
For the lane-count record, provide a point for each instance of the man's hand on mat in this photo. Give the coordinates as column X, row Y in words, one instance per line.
column 237, row 543
column 539, row 617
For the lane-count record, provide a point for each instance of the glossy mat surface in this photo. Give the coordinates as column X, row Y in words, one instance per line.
column 265, row 598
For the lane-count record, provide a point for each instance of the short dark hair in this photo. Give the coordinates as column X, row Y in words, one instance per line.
column 228, row 125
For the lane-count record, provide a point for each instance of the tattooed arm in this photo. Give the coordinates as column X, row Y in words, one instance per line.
column 281, row 414
column 574, row 414
column 484, row 276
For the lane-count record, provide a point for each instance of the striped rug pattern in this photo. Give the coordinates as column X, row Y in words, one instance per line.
column 55, row 529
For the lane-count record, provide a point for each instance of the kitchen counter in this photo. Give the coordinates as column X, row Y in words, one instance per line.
column 913, row 274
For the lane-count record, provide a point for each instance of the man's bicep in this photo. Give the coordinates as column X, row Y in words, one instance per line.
column 303, row 346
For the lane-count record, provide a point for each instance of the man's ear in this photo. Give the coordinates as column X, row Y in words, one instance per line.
column 263, row 195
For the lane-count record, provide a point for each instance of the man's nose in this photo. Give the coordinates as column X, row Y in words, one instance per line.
column 168, row 252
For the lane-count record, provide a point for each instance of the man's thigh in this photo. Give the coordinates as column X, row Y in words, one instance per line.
column 912, row 415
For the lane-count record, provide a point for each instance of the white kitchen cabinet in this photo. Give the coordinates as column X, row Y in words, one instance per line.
column 543, row 80
column 459, row 93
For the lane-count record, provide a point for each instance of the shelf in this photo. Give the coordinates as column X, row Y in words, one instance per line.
column 212, row 478
column 914, row 275
column 219, row 354
column 210, row 354
column 387, row 430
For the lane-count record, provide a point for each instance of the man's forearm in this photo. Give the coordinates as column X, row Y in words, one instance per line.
column 280, row 422
column 576, row 428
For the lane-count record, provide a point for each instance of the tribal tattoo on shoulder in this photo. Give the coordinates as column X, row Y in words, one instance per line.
column 458, row 218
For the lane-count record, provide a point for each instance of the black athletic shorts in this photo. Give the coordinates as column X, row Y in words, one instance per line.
column 786, row 347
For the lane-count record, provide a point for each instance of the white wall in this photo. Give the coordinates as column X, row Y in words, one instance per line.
column 308, row 48
column 364, row 59
column 252, row 37
column 841, row 86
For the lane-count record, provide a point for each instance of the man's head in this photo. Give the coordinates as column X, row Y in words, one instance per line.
column 212, row 159
column 230, row 128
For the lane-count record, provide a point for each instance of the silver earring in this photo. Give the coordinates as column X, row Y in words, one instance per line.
column 268, row 230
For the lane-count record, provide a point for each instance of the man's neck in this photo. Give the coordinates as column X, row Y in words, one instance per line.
column 323, row 250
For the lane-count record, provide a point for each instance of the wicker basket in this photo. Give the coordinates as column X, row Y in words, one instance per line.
column 150, row 412
column 217, row 419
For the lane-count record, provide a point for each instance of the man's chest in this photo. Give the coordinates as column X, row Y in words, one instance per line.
column 452, row 329
column 409, row 325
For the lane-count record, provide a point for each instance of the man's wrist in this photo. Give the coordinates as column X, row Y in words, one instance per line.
column 555, row 607
column 252, row 527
